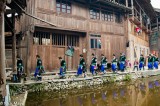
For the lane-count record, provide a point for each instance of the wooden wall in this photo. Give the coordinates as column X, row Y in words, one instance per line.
column 79, row 18
column 113, row 35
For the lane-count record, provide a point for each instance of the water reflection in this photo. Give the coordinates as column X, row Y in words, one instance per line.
column 144, row 92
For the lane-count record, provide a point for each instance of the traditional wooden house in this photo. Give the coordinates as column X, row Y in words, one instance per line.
column 155, row 35
column 90, row 26
column 139, row 28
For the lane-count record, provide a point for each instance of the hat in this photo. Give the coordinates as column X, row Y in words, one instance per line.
column 60, row 57
column 81, row 55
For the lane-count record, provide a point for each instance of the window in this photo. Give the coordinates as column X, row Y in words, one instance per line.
column 65, row 40
column 63, row 6
column 41, row 38
column 118, row 18
column 72, row 40
column 94, row 14
column 58, row 39
column 95, row 42
column 107, row 16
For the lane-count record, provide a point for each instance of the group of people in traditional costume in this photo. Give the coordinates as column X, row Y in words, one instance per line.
column 95, row 68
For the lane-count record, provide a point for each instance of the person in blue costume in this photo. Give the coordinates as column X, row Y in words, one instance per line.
column 141, row 62
column 81, row 67
column 62, row 67
column 93, row 66
column 114, row 63
column 149, row 62
column 39, row 68
column 20, row 68
column 152, row 61
column 122, row 62
column 156, row 62
column 103, row 63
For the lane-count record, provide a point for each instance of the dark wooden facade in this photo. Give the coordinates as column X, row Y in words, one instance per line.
column 69, row 26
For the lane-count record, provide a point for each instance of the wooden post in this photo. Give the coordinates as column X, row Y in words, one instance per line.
column 157, row 25
column 140, row 17
column 126, row 3
column 132, row 6
column 13, row 44
column 2, row 50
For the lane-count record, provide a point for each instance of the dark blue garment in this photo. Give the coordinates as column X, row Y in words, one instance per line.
column 150, row 66
column 103, row 67
column 122, row 66
column 61, row 73
column 156, row 64
column 114, row 67
column 80, row 70
column 36, row 72
column 141, row 65
column 92, row 69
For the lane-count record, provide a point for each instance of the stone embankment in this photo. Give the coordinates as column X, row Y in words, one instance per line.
column 52, row 82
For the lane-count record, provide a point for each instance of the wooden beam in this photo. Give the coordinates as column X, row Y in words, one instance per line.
column 132, row 6
column 157, row 25
column 2, row 51
column 126, row 3
column 13, row 44
column 30, row 15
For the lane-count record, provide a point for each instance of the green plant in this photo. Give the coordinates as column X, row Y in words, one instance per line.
column 36, row 87
column 15, row 89
column 112, row 79
column 127, row 77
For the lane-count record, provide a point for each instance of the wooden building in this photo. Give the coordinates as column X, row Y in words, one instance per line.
column 139, row 28
column 94, row 26
column 155, row 35
column 90, row 26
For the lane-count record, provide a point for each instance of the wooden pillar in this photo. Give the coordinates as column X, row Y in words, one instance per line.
column 157, row 25
column 13, row 44
column 132, row 6
column 28, row 54
column 140, row 17
column 126, row 3
column 2, row 50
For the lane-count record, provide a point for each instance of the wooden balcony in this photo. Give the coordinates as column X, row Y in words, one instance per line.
column 112, row 3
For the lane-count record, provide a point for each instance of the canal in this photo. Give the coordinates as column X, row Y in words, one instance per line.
column 142, row 92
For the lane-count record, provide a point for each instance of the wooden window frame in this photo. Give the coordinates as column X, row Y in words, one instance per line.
column 60, row 8
column 107, row 16
column 96, row 39
column 94, row 14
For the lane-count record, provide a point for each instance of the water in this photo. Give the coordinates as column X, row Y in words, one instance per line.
column 144, row 92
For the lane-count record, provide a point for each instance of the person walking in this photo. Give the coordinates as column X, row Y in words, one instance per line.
column 114, row 63
column 103, row 63
column 93, row 66
column 81, row 66
column 62, row 67
column 135, row 64
column 141, row 62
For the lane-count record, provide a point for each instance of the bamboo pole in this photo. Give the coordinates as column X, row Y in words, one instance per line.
column 2, row 50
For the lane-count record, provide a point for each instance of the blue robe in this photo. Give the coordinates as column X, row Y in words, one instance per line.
column 92, row 69
column 114, row 67
column 61, row 73
column 141, row 64
column 80, row 70
column 103, row 67
column 150, row 66
column 36, row 72
column 122, row 66
column 156, row 64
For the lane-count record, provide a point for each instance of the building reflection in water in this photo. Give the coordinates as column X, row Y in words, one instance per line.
column 140, row 93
